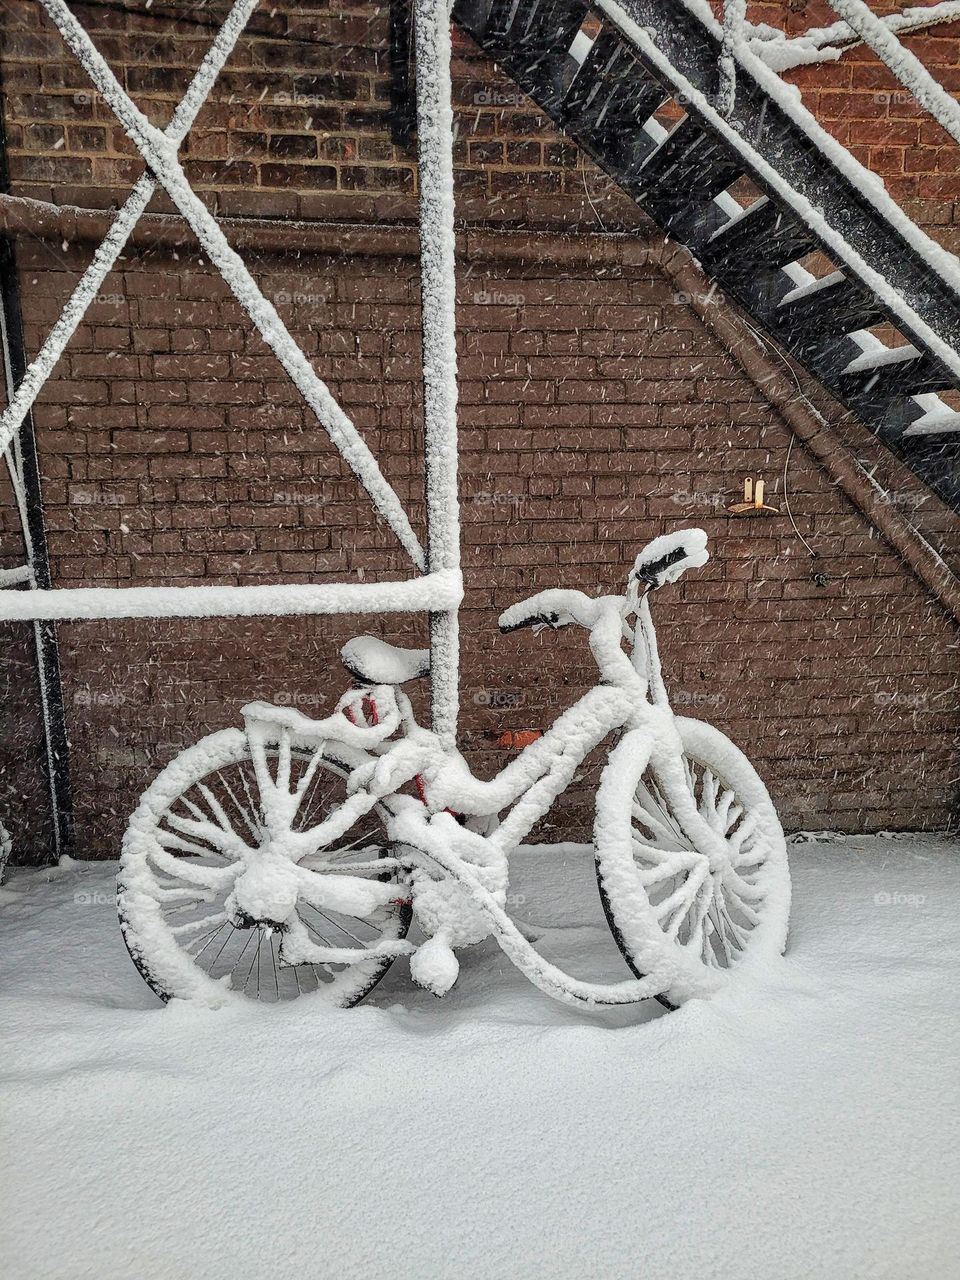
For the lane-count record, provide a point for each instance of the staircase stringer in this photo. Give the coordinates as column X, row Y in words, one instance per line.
column 769, row 375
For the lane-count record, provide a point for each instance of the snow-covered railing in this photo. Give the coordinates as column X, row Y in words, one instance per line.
column 433, row 592
column 438, row 290
column 858, row 23
column 17, row 576
column 734, row 35
column 827, row 44
column 906, row 66
column 438, row 588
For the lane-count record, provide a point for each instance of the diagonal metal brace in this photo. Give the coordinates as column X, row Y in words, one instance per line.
column 136, row 203
column 160, row 153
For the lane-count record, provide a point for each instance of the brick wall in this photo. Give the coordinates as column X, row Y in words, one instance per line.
column 297, row 123
column 866, row 108
column 597, row 411
column 595, row 414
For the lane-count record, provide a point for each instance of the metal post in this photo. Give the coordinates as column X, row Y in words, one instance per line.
column 734, row 27
column 23, row 455
column 438, row 291
column 402, row 107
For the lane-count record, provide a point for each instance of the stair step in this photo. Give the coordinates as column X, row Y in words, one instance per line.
column 681, row 177
column 938, row 422
column 607, row 104
column 763, row 233
column 526, row 24
column 540, row 42
column 832, row 305
column 883, row 375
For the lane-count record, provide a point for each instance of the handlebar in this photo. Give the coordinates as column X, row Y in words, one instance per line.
column 661, row 561
column 667, row 557
column 555, row 608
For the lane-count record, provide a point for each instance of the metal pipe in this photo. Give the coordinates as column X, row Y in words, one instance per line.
column 907, row 68
column 438, row 291
column 22, row 456
column 436, row 591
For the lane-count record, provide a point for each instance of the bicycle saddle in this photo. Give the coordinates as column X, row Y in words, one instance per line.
column 374, row 661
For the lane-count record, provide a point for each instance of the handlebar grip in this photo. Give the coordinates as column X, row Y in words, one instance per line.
column 554, row 608
column 670, row 555
column 551, row 620
column 651, row 571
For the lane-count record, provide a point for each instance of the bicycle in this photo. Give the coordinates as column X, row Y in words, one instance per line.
column 292, row 856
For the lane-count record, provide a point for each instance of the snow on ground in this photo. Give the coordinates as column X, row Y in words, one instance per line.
column 805, row 1129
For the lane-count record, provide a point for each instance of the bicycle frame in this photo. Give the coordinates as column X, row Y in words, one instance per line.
column 631, row 695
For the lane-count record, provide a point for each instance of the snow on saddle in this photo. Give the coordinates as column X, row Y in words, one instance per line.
column 373, row 661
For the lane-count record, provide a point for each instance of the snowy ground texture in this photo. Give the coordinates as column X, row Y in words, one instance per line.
column 807, row 1129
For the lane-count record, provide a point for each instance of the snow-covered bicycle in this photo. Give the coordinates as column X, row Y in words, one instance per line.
column 290, row 857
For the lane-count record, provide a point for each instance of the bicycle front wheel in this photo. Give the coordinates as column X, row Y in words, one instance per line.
column 693, row 915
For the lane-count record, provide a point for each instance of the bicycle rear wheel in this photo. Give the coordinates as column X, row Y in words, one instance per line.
column 182, row 852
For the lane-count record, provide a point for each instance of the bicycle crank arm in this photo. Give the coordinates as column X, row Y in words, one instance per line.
column 434, row 844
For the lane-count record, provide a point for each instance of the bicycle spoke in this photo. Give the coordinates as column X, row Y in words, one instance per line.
column 209, row 939
column 211, row 831
column 337, row 925
column 181, row 930
column 711, row 915
column 245, row 815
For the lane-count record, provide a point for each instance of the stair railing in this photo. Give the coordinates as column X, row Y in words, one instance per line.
column 906, row 66
column 873, row 31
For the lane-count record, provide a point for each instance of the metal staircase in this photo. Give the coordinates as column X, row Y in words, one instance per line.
column 602, row 71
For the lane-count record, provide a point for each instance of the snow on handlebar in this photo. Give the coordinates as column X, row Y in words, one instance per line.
column 667, row 557
column 661, row 561
column 554, row 608
column 338, row 727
